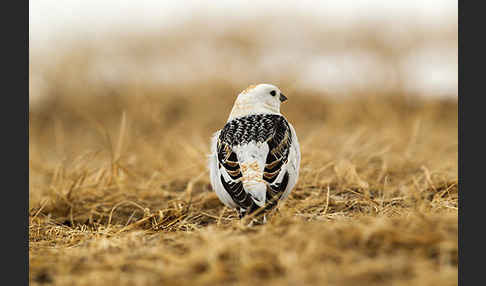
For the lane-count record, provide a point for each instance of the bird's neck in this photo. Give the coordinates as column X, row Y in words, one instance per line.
column 244, row 108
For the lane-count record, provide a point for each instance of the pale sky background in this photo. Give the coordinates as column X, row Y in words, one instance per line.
column 431, row 69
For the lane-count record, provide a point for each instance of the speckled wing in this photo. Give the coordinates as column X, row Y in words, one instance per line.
column 215, row 174
column 279, row 172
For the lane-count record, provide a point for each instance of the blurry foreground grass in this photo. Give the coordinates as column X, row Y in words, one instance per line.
column 119, row 192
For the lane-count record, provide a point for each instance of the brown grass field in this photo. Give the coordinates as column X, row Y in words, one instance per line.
column 120, row 194
column 119, row 190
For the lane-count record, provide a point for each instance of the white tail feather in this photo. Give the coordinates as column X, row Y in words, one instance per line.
column 252, row 157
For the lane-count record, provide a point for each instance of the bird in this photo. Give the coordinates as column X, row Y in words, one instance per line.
column 254, row 159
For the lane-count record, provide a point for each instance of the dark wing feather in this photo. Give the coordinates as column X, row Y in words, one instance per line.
column 279, row 149
column 228, row 160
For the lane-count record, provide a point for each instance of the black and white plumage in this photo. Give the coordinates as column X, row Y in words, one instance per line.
column 255, row 158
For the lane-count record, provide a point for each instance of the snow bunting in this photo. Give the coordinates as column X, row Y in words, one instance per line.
column 255, row 158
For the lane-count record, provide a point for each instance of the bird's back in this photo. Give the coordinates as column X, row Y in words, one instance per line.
column 253, row 154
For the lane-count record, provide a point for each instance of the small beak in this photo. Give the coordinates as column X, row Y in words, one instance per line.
column 282, row 97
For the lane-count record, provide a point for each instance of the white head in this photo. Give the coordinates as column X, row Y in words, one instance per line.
column 261, row 98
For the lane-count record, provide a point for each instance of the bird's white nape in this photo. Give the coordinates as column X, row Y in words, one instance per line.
column 256, row 99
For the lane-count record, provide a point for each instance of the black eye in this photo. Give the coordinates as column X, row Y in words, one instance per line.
column 273, row 92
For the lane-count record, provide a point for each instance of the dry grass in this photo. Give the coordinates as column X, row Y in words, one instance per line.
column 120, row 195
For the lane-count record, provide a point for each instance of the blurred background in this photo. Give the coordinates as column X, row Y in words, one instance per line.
column 124, row 96
column 331, row 48
column 144, row 84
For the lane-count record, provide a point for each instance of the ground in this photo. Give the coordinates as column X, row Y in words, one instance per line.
column 120, row 194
